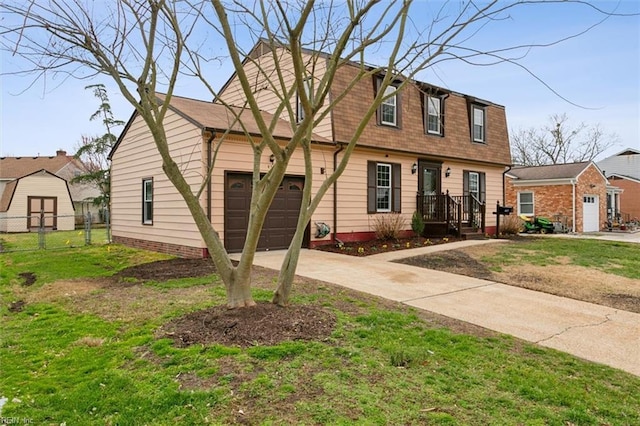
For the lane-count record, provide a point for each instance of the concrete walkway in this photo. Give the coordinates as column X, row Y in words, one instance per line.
column 593, row 332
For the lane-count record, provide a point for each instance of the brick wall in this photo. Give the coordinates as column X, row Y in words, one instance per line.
column 630, row 198
column 591, row 182
column 172, row 249
column 554, row 202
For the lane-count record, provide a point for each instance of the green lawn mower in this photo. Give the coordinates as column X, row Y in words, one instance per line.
column 536, row 225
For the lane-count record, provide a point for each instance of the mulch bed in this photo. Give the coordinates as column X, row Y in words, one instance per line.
column 368, row 248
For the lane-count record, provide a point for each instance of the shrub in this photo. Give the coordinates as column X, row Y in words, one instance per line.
column 388, row 226
column 417, row 223
column 511, row 225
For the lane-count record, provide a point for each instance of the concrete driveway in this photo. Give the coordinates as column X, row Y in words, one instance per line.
column 593, row 332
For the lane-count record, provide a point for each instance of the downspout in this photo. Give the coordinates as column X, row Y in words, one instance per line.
column 335, row 193
column 573, row 225
column 504, row 185
column 209, row 159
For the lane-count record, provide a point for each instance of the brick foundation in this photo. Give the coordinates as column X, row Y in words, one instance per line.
column 172, row 249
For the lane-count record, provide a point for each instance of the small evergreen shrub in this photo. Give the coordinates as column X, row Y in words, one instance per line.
column 417, row 223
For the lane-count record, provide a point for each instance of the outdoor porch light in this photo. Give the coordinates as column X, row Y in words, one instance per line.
column 414, row 168
column 272, row 158
column 447, row 172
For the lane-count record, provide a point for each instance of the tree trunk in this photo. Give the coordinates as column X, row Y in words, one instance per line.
column 288, row 270
column 239, row 289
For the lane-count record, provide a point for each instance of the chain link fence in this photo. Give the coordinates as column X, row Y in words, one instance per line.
column 46, row 231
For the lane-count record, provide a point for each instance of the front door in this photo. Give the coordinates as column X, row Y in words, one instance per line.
column 429, row 188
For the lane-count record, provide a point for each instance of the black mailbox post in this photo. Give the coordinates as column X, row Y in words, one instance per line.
column 501, row 211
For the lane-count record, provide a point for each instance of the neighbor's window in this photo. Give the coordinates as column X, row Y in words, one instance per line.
column 434, row 115
column 299, row 107
column 525, row 203
column 147, row 201
column 479, row 123
column 389, row 108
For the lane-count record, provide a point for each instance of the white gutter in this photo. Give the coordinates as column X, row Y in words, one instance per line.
column 573, row 225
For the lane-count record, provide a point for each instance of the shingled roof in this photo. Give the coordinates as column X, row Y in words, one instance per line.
column 16, row 167
column 554, row 171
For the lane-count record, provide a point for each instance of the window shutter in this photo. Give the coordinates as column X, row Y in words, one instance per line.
column 465, row 183
column 371, row 187
column 442, row 98
column 397, row 187
column 483, row 190
column 376, row 89
column 398, row 110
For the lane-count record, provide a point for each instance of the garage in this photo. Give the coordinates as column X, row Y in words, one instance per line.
column 591, row 213
column 281, row 220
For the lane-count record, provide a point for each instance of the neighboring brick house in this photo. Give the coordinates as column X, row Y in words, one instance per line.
column 573, row 194
column 623, row 171
column 426, row 146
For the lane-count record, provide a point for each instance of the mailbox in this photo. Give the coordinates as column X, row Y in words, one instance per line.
column 505, row 210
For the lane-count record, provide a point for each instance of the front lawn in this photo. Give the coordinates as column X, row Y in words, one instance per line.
column 602, row 272
column 88, row 345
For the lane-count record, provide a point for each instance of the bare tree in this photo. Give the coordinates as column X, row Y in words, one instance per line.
column 147, row 47
column 559, row 142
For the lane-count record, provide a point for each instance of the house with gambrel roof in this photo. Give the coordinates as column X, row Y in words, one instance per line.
column 428, row 149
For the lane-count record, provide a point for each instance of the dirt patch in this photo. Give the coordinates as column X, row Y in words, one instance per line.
column 164, row 270
column 563, row 279
column 263, row 325
column 28, row 278
column 17, row 306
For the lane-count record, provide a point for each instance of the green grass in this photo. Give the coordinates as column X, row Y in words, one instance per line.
column 612, row 257
column 380, row 366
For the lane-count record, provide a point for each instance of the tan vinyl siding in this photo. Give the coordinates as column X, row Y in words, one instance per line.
column 352, row 191
column 136, row 159
column 41, row 185
column 266, row 96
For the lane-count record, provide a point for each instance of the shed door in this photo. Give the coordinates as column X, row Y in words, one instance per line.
column 45, row 208
column 591, row 213
column 281, row 220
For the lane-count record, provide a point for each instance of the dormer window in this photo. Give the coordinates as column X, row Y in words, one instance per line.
column 388, row 109
column 434, row 115
column 478, row 123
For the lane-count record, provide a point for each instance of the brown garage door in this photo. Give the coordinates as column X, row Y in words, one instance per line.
column 280, row 224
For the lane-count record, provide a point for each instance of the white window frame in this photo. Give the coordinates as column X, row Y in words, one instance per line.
column 299, row 109
column 474, row 184
column 147, row 201
column 436, row 111
column 391, row 102
column 481, row 126
column 532, row 203
column 381, row 167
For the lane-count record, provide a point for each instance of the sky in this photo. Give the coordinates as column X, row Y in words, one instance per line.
column 596, row 77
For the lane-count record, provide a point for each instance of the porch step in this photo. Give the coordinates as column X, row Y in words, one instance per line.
column 471, row 234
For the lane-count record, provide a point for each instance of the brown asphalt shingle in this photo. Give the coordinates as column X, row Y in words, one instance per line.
column 554, row 171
